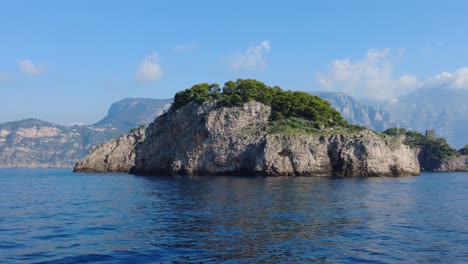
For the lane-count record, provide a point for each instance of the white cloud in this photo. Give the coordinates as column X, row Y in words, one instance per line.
column 180, row 48
column 27, row 67
column 457, row 80
column 251, row 59
column 149, row 69
column 371, row 77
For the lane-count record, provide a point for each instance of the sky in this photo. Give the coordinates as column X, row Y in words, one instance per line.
column 67, row 61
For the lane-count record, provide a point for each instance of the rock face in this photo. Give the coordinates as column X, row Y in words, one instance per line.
column 459, row 163
column 117, row 155
column 208, row 140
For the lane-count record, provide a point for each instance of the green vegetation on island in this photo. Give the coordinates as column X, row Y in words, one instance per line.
column 133, row 129
column 436, row 148
column 290, row 109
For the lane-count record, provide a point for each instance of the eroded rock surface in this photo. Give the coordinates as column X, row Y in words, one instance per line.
column 459, row 163
column 117, row 155
column 208, row 140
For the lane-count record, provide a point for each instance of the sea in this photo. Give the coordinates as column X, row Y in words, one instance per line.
column 56, row 216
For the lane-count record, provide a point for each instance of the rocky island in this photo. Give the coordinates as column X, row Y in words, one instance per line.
column 248, row 128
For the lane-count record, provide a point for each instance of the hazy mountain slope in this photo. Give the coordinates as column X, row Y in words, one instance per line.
column 357, row 113
column 32, row 143
column 445, row 110
column 131, row 112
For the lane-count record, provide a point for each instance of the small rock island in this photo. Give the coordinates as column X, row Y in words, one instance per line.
column 116, row 155
column 248, row 128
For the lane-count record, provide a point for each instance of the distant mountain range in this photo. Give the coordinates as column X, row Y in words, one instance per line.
column 443, row 109
column 132, row 112
column 357, row 113
column 33, row 143
column 36, row 143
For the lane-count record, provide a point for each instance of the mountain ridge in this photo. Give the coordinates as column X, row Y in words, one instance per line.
column 418, row 111
column 356, row 112
column 35, row 143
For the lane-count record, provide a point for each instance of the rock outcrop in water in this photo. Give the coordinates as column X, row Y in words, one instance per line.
column 434, row 154
column 117, row 155
column 459, row 163
column 248, row 128
column 210, row 140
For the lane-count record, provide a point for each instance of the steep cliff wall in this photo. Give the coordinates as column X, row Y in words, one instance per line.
column 117, row 155
column 206, row 140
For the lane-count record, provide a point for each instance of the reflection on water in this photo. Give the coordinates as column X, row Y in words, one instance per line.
column 53, row 215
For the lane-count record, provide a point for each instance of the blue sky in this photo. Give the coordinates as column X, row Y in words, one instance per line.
column 67, row 61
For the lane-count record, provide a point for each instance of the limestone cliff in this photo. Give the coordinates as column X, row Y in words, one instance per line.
column 211, row 140
column 459, row 163
column 117, row 155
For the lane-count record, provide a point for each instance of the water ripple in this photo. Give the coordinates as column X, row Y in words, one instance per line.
column 54, row 216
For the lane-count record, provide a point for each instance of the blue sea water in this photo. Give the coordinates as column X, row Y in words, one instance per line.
column 55, row 216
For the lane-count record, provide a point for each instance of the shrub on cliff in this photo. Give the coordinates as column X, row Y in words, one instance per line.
column 284, row 104
column 437, row 149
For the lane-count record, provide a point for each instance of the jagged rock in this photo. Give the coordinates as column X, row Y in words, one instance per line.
column 459, row 163
column 117, row 155
column 209, row 140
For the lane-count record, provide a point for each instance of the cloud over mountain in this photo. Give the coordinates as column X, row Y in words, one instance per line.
column 371, row 77
column 457, row 80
